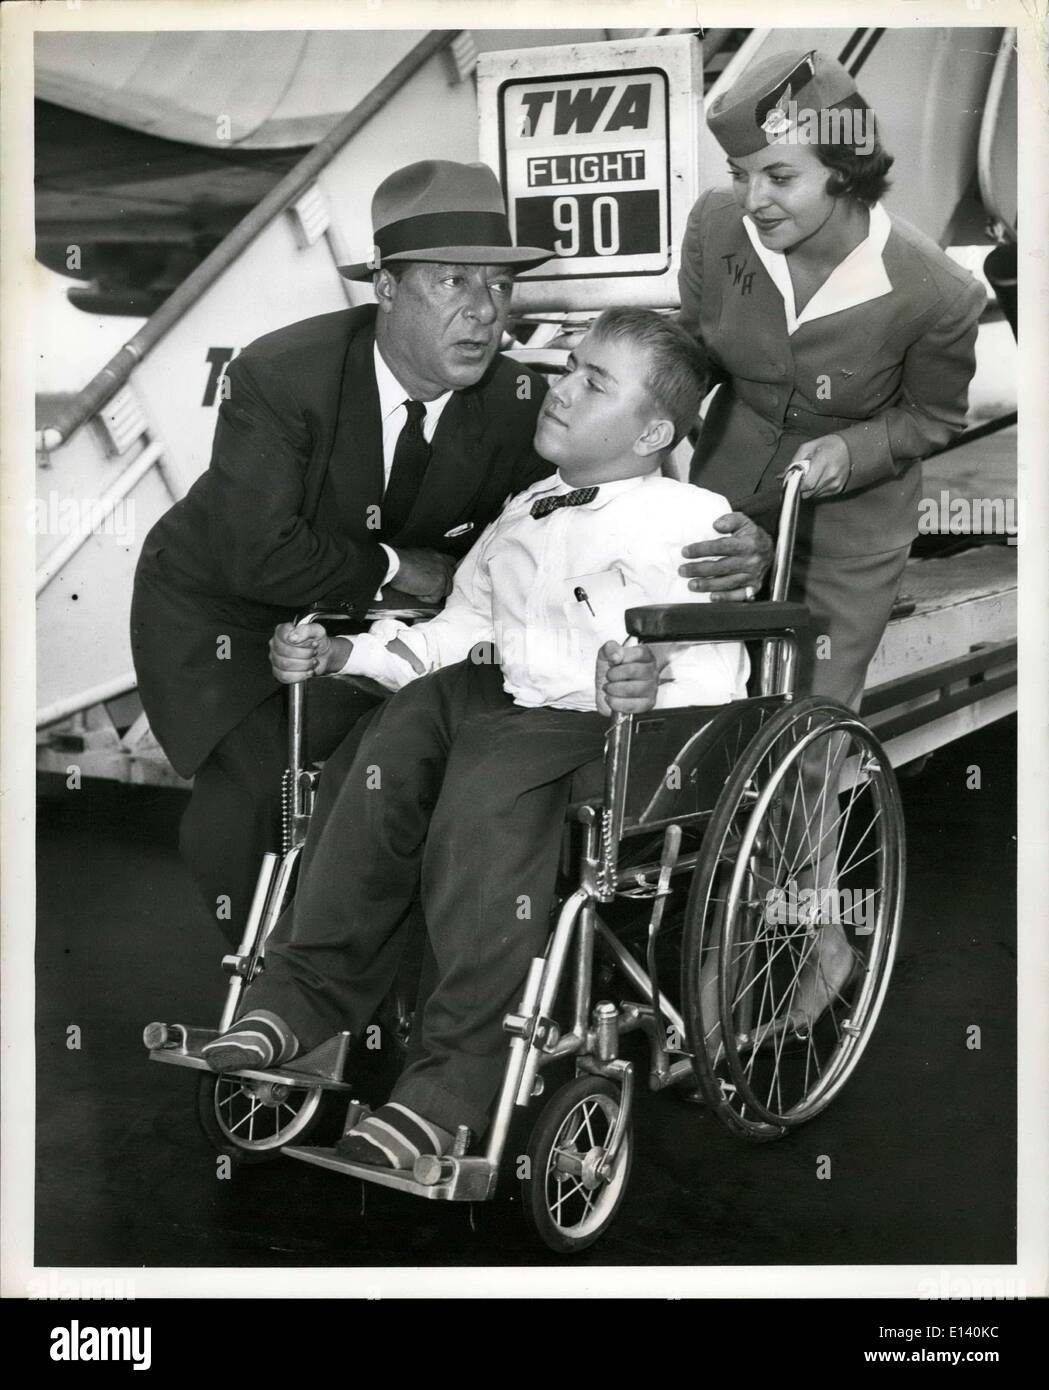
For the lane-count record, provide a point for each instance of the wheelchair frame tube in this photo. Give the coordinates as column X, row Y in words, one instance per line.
column 778, row 655
column 250, row 936
column 544, row 976
column 550, row 980
column 637, row 977
column 297, row 750
column 617, row 758
column 512, row 1075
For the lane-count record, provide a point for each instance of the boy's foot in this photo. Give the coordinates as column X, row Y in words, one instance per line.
column 258, row 1040
column 393, row 1137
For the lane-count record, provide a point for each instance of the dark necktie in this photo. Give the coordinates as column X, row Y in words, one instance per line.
column 543, row 506
column 410, row 458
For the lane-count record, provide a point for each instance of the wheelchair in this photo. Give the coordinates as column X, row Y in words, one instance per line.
column 772, row 824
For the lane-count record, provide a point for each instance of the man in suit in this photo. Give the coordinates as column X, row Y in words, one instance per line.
column 356, row 451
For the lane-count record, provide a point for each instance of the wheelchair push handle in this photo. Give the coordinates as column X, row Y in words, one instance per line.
column 788, row 526
column 787, row 497
column 297, row 702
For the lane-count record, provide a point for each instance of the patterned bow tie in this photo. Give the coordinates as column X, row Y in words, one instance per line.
column 543, row 506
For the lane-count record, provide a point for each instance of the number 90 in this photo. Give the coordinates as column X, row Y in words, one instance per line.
column 604, row 214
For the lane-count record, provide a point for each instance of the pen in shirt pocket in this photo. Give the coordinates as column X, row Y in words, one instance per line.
column 462, row 530
column 581, row 596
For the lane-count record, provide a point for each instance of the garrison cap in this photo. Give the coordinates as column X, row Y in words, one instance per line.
column 753, row 113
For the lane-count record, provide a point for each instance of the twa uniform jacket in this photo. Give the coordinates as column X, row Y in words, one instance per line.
column 882, row 355
column 279, row 522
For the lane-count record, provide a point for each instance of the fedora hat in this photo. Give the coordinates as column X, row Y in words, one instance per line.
column 438, row 210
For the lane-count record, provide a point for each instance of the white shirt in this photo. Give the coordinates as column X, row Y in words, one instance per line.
column 392, row 409
column 550, row 591
column 859, row 277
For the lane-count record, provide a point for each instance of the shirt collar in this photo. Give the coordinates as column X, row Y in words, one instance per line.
column 392, row 394
column 861, row 276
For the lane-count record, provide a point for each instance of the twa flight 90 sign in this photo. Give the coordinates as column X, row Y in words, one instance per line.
column 596, row 147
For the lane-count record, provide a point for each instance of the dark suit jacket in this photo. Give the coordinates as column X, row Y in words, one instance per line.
column 284, row 517
column 890, row 375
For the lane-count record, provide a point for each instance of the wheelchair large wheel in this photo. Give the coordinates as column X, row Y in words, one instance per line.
column 251, row 1121
column 793, row 919
column 569, row 1204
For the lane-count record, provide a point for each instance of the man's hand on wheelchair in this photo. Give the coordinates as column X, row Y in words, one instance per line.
column 734, row 565
column 297, row 653
column 627, row 679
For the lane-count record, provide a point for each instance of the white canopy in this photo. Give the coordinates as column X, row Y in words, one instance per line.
column 278, row 89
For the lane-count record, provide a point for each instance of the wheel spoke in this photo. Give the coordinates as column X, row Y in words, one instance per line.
column 574, row 1141
column 246, row 1118
column 589, row 1111
column 564, row 1196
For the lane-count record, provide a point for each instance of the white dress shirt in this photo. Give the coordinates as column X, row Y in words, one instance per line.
column 859, row 277
column 550, row 591
column 392, row 397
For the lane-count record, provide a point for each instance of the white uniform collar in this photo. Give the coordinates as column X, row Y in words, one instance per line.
column 859, row 277
column 392, row 394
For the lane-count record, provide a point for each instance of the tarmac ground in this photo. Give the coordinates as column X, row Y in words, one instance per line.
column 922, row 1142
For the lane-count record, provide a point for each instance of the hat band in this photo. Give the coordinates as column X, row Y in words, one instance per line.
column 443, row 229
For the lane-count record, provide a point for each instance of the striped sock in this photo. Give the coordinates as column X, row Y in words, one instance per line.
column 258, row 1040
column 393, row 1137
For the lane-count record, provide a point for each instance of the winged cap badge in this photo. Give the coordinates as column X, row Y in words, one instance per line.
column 777, row 122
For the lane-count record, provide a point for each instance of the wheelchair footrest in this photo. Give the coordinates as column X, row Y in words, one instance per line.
column 457, row 1179
column 324, row 1063
column 180, row 1045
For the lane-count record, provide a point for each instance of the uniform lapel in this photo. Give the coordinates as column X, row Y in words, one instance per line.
column 856, row 280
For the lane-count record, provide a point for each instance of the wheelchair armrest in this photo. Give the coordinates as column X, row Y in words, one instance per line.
column 396, row 604
column 715, row 622
column 393, row 604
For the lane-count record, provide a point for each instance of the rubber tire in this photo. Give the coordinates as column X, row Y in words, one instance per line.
column 533, row 1188
column 220, row 1139
column 822, row 711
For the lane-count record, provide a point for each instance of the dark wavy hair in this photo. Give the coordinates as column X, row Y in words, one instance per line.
column 854, row 173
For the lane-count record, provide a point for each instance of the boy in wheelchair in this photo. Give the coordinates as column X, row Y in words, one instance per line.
column 455, row 790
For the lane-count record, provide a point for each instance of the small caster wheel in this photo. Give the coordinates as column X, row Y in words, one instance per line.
column 251, row 1121
column 567, row 1196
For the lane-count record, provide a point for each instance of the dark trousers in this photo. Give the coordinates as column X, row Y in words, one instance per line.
column 450, row 792
column 234, row 811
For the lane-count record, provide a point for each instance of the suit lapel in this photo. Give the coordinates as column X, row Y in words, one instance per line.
column 353, row 480
column 459, row 461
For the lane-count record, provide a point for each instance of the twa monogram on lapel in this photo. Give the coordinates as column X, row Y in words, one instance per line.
column 736, row 269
